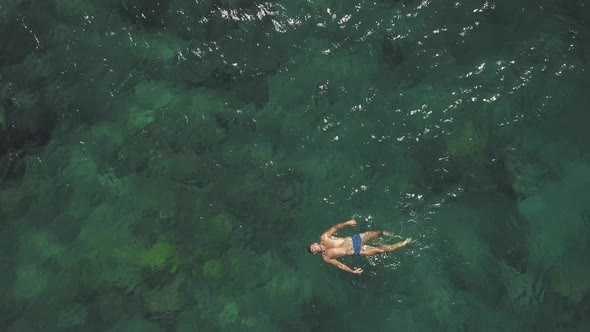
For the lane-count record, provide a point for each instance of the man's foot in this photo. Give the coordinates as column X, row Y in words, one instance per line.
column 388, row 234
column 406, row 241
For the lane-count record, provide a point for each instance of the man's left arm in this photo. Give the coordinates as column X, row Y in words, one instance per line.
column 342, row 266
column 334, row 228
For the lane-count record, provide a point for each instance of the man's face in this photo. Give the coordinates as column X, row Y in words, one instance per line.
column 315, row 248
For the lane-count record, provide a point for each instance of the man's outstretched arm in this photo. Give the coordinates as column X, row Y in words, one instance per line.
column 343, row 266
column 334, row 228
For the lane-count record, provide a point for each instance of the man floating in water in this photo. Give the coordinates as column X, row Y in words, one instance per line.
column 333, row 247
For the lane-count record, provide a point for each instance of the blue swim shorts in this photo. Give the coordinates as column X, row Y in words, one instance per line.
column 356, row 244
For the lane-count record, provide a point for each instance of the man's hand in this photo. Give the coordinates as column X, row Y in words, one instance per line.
column 406, row 241
column 351, row 222
column 357, row 271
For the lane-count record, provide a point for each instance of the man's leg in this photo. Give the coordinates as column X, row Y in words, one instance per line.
column 370, row 251
column 366, row 236
column 392, row 247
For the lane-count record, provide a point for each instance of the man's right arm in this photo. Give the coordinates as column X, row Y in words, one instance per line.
column 342, row 266
column 334, row 228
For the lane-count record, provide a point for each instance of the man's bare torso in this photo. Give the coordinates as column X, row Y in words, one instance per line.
column 336, row 247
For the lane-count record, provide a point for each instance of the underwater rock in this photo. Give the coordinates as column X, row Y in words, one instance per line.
column 113, row 185
column 525, row 168
column 189, row 318
column 547, row 237
column 109, row 306
column 23, row 324
column 139, row 118
column 147, row 14
column 74, row 10
column 73, row 316
column 135, row 324
column 523, row 175
column 103, row 140
column 552, row 46
column 258, row 323
column 81, row 170
column 197, row 124
column 159, row 257
column 219, row 229
column 106, row 250
column 282, row 289
column 8, row 10
column 235, row 4
column 153, row 95
column 2, row 118
column 24, row 121
column 125, row 265
column 43, row 245
column 61, row 34
column 12, row 200
column 15, row 46
column 30, row 282
column 467, row 144
column 134, row 156
column 229, row 315
column 245, row 263
column 213, row 269
column 187, row 168
column 166, row 299
column 524, row 289
column 119, row 272
column 198, row 72
column 165, row 49
column 391, row 51
column 442, row 301
column 303, row 75
column 262, row 153
column 569, row 278
column 25, row 100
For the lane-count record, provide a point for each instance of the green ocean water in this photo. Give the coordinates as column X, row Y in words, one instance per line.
column 164, row 164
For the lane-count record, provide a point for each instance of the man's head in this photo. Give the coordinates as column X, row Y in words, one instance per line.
column 314, row 248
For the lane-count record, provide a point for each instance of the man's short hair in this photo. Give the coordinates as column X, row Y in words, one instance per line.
column 309, row 248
